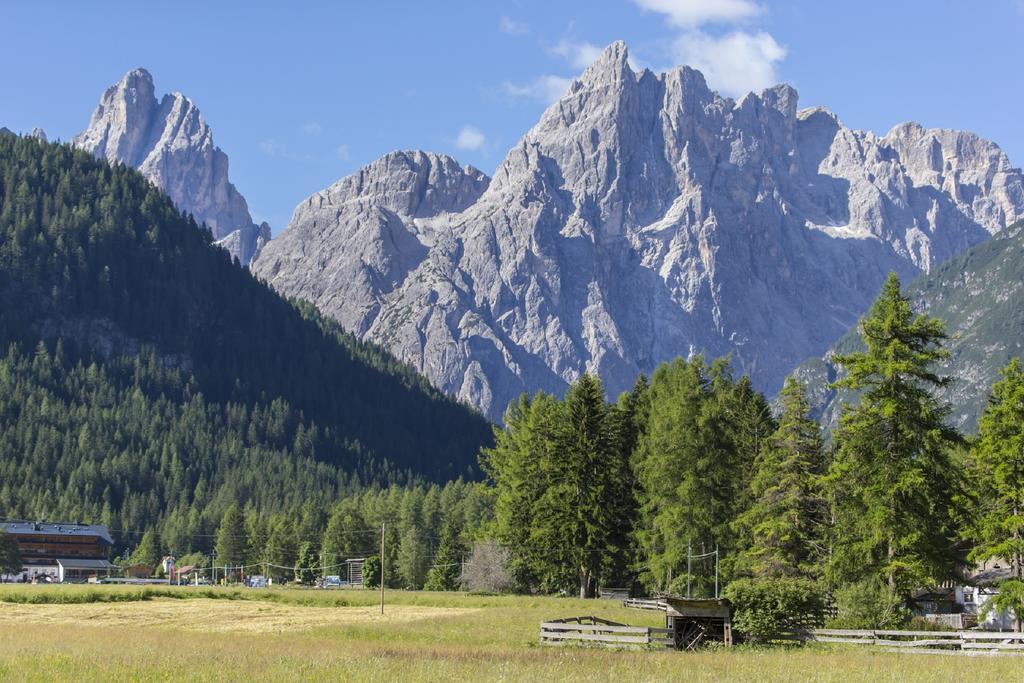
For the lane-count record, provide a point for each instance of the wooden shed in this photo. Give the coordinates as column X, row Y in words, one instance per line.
column 698, row 621
column 693, row 621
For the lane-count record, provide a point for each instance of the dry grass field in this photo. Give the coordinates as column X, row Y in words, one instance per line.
column 123, row 633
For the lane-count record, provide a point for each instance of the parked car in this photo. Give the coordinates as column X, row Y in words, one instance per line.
column 331, row 582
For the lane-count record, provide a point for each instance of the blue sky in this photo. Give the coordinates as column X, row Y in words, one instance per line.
column 301, row 95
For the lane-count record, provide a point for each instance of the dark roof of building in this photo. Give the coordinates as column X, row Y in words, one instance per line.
column 991, row 577
column 60, row 529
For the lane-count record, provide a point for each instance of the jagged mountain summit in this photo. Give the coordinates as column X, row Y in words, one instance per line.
column 644, row 217
column 169, row 142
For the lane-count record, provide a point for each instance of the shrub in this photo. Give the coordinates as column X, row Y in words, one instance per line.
column 869, row 604
column 487, row 569
column 371, row 572
column 764, row 610
column 923, row 624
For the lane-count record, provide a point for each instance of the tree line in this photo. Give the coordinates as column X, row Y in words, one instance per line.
column 429, row 532
column 694, row 463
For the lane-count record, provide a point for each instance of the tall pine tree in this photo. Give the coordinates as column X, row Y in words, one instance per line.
column 997, row 464
column 693, row 463
column 781, row 531
column 232, row 540
column 892, row 480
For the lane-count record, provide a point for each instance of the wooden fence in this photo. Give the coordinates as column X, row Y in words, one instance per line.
column 641, row 603
column 602, row 633
column 976, row 642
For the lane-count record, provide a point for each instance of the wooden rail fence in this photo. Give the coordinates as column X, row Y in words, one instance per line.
column 602, row 633
column 977, row 642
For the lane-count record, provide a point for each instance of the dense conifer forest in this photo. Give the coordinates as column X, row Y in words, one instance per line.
column 145, row 375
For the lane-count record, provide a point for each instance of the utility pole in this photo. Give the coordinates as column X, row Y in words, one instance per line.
column 689, row 554
column 716, row 571
column 382, row 567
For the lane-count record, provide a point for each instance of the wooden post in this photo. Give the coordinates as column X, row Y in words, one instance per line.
column 716, row 571
column 689, row 548
column 382, row 567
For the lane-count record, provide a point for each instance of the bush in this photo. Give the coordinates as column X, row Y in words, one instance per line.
column 487, row 569
column 764, row 610
column 371, row 572
column 923, row 624
column 869, row 604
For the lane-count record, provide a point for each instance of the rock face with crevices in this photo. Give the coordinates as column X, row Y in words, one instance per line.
column 169, row 142
column 644, row 217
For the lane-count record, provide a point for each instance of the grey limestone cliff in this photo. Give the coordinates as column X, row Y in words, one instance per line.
column 643, row 217
column 168, row 141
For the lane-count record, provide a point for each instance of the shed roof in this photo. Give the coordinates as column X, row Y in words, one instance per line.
column 60, row 529
column 697, row 607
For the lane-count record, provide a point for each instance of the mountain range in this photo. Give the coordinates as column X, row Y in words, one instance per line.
column 644, row 217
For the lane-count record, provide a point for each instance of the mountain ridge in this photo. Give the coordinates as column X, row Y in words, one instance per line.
column 644, row 217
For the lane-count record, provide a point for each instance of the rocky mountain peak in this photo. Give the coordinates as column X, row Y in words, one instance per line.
column 412, row 183
column 169, row 142
column 611, row 67
column 643, row 217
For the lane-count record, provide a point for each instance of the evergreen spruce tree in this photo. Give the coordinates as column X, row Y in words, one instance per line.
column 345, row 534
column 997, row 466
column 413, row 559
column 693, row 465
column 781, row 531
column 447, row 567
column 150, row 549
column 282, row 550
column 559, row 476
column 892, row 480
column 626, row 419
column 572, row 524
column 516, row 465
column 307, row 565
column 258, row 536
column 232, row 542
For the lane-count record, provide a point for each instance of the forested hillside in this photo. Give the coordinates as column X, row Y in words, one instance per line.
column 145, row 374
column 980, row 297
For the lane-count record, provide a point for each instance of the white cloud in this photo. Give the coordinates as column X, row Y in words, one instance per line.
column 343, row 152
column 547, row 88
column 736, row 63
column 470, row 138
column 277, row 149
column 579, row 55
column 694, row 13
column 511, row 27
column 312, row 129
column 271, row 147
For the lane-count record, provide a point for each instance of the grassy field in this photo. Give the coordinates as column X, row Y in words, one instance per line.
column 130, row 633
